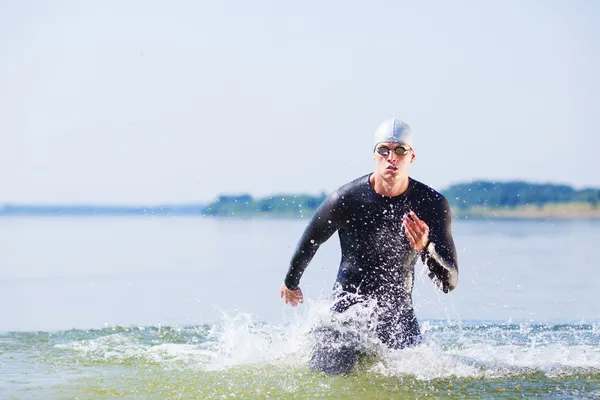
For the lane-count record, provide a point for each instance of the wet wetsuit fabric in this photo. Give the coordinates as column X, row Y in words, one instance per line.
column 377, row 260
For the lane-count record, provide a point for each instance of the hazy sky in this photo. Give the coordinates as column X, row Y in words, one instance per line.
column 173, row 101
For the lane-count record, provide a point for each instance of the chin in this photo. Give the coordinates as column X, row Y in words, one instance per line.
column 390, row 175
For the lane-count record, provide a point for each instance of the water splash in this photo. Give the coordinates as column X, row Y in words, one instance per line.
column 466, row 350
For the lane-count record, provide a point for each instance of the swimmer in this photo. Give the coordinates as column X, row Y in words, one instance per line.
column 386, row 221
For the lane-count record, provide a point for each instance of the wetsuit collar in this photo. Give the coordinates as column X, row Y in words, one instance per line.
column 403, row 194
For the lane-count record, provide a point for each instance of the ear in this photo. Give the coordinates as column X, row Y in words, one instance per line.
column 413, row 157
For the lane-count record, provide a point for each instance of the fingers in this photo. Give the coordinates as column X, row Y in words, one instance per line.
column 300, row 296
column 296, row 297
column 411, row 227
column 416, row 231
column 420, row 226
column 415, row 217
column 410, row 234
column 291, row 297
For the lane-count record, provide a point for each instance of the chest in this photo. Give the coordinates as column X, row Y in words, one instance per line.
column 378, row 221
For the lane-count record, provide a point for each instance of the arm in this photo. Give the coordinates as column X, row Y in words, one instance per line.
column 440, row 253
column 320, row 228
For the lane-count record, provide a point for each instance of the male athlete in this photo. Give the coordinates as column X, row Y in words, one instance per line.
column 385, row 221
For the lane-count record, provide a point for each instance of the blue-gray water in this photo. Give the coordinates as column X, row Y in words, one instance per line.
column 189, row 308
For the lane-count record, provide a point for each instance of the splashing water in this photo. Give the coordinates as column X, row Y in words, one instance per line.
column 246, row 358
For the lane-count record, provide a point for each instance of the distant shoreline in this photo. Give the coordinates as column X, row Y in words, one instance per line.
column 471, row 200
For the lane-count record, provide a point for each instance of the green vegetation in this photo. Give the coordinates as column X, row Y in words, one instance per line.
column 281, row 205
column 511, row 195
column 481, row 199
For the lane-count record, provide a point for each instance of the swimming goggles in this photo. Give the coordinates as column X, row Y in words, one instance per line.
column 385, row 151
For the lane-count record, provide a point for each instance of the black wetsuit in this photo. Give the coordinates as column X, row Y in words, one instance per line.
column 377, row 260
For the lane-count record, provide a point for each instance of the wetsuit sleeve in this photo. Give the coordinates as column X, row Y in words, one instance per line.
column 320, row 228
column 440, row 253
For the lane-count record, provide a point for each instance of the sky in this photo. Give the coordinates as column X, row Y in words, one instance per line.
column 139, row 102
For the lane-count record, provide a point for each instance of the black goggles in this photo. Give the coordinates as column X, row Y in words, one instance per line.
column 385, row 151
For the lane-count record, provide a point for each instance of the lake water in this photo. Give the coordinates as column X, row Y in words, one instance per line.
column 189, row 308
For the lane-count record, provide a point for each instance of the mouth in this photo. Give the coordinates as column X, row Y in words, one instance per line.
column 391, row 168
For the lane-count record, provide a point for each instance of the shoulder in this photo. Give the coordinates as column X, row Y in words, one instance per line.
column 348, row 193
column 351, row 189
column 422, row 193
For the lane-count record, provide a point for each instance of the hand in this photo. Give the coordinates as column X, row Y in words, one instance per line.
column 293, row 297
column 416, row 231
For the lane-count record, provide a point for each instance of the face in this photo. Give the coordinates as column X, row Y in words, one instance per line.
column 393, row 166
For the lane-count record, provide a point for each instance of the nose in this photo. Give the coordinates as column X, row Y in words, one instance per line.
column 392, row 155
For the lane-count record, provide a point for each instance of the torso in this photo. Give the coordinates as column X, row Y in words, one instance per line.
column 377, row 260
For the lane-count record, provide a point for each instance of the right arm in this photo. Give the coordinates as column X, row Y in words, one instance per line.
column 320, row 228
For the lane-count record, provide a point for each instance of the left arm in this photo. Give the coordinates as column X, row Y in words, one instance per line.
column 436, row 245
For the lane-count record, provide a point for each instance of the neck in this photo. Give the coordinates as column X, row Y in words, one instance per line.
column 389, row 187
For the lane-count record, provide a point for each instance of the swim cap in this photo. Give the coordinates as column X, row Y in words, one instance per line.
column 393, row 130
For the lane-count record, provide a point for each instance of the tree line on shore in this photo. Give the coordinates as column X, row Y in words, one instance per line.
column 462, row 196
column 486, row 194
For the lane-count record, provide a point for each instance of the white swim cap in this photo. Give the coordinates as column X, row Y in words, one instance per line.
column 393, row 130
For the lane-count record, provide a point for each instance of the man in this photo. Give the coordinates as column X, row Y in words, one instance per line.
column 385, row 221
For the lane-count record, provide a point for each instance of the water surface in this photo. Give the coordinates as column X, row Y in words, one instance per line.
column 189, row 308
